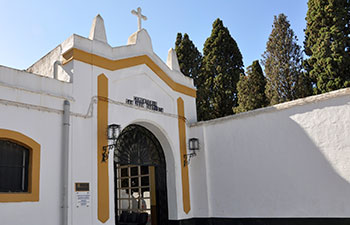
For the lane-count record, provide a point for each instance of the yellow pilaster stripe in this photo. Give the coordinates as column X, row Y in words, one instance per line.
column 184, row 169
column 153, row 194
column 102, row 167
column 112, row 65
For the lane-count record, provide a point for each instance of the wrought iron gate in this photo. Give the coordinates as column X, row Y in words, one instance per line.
column 137, row 146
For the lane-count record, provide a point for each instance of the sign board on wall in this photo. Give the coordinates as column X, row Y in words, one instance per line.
column 145, row 103
column 82, row 194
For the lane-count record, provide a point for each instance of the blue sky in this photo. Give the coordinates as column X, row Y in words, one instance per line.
column 30, row 29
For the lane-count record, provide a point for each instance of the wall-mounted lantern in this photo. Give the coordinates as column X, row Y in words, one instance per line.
column 193, row 146
column 113, row 132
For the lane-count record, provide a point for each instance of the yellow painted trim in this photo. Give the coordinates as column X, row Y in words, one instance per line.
column 153, row 195
column 102, row 167
column 95, row 60
column 34, row 168
column 184, row 169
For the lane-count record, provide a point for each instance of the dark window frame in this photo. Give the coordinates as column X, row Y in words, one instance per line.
column 14, row 166
column 33, row 194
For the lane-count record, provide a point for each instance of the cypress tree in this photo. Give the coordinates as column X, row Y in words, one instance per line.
column 283, row 64
column 251, row 89
column 221, row 66
column 327, row 42
column 190, row 60
column 189, row 57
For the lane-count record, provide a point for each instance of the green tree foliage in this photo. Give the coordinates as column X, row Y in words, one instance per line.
column 327, row 42
column 189, row 57
column 190, row 60
column 283, row 64
column 221, row 66
column 251, row 89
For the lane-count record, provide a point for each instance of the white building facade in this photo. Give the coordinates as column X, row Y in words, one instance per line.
column 286, row 164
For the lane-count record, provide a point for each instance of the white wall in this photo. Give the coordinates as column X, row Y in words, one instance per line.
column 291, row 160
column 45, row 65
column 32, row 105
column 124, row 84
column 39, row 100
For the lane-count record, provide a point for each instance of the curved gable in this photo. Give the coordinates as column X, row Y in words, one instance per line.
column 109, row 64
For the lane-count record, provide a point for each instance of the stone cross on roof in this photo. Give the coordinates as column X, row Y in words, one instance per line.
column 140, row 16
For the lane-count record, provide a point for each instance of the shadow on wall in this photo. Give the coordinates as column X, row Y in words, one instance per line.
column 268, row 166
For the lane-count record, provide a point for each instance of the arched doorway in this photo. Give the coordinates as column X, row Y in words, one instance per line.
column 140, row 177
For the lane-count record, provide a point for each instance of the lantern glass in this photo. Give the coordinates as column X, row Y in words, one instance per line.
column 193, row 144
column 113, row 131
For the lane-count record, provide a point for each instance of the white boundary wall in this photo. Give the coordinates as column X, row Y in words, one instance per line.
column 290, row 160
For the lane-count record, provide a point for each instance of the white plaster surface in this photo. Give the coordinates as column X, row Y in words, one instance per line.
column 98, row 31
column 45, row 66
column 285, row 161
column 142, row 40
column 44, row 128
column 172, row 60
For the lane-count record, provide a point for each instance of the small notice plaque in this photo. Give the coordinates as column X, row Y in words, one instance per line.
column 82, row 186
column 82, row 194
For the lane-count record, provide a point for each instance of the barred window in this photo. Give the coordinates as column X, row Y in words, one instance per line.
column 14, row 167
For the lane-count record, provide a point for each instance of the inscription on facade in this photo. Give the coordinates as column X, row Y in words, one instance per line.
column 144, row 103
column 82, row 194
